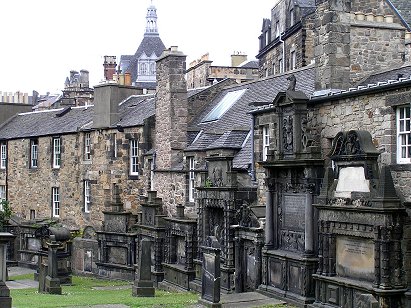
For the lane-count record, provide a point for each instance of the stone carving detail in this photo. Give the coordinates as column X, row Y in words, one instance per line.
column 293, row 81
column 349, row 202
column 302, row 188
column 217, row 177
column 288, row 134
column 347, row 144
column 293, row 241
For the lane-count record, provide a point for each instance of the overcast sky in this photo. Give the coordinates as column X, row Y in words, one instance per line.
column 42, row 40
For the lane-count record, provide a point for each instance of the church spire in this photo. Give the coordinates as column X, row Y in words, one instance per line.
column 151, row 17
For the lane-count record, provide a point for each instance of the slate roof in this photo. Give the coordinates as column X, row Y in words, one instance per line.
column 262, row 90
column 150, row 44
column 305, row 3
column 251, row 64
column 229, row 140
column 393, row 74
column 243, row 158
column 403, row 7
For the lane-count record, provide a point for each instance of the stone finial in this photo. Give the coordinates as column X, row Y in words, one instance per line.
column 293, row 81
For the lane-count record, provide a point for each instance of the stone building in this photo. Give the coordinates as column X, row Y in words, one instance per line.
column 142, row 65
column 265, row 168
column 202, row 73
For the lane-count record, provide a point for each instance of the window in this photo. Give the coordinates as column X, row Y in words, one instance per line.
column 115, row 149
column 34, row 153
column 2, row 192
column 226, row 103
column 191, row 179
column 293, row 60
column 281, row 66
column 56, row 152
column 152, row 68
column 266, row 141
column 87, row 196
column 277, row 29
column 55, row 191
column 32, row 214
column 133, row 157
column 274, row 69
column 151, row 178
column 291, row 17
column 3, row 155
column 403, row 135
column 87, row 146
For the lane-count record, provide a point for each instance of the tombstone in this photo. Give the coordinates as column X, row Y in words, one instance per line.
column 210, row 280
column 52, row 284
column 143, row 285
column 361, row 227
column 5, row 298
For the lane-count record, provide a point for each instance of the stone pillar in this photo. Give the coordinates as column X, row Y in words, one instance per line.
column 52, row 281
column 269, row 214
column 309, row 226
column 5, row 298
column 143, row 285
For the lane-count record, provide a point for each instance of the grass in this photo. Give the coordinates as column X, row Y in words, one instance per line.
column 87, row 291
column 83, row 293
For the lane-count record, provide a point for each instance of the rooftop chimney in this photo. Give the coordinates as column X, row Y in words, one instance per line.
column 109, row 67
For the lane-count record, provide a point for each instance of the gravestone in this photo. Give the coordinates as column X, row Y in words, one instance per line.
column 143, row 285
column 210, row 291
column 5, row 298
column 52, row 285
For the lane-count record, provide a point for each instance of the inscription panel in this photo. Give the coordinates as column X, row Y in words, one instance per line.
column 355, row 258
column 293, row 208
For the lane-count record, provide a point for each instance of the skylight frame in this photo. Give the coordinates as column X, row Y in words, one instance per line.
column 223, row 105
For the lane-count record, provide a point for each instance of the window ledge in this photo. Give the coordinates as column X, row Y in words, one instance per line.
column 133, row 177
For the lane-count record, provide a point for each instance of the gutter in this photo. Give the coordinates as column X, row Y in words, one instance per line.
column 253, row 176
column 281, row 40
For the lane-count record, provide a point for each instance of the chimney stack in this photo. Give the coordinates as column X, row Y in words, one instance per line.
column 109, row 67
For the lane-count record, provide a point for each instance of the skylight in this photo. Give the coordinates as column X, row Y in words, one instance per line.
column 226, row 103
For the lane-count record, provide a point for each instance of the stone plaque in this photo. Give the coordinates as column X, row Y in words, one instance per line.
column 355, row 258
column 294, row 211
column 33, row 244
column 117, row 255
column 88, row 261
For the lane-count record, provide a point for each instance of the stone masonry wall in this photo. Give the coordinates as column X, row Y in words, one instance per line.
column 171, row 109
column 375, row 47
column 30, row 189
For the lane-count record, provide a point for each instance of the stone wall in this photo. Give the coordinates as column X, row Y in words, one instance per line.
column 375, row 46
column 103, row 170
column 198, row 74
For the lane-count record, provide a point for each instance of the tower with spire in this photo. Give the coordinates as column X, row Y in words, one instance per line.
column 142, row 65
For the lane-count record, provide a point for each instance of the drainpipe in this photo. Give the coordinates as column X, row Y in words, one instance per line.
column 253, row 177
column 281, row 40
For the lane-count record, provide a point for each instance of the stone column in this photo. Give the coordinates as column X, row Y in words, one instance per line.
column 52, row 281
column 143, row 285
column 269, row 214
column 309, row 226
column 5, row 298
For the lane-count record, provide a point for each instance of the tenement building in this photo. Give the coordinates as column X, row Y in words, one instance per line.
column 300, row 180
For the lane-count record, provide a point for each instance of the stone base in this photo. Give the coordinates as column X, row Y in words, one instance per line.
column 5, row 299
column 292, row 298
column 175, row 274
column 195, row 285
column 143, row 288
column 53, row 285
column 209, row 304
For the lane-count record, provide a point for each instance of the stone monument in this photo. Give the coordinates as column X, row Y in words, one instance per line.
column 143, row 285
column 5, row 298
column 52, row 284
column 360, row 223
column 210, row 291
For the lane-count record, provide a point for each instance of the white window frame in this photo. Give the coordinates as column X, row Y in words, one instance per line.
column 293, row 60
column 87, row 196
column 115, row 146
column 34, row 153
column 133, row 157
column 152, row 174
column 87, row 146
column 266, row 141
column 403, row 135
column 191, row 179
column 55, row 195
column 3, row 155
column 2, row 192
column 281, row 66
column 56, row 152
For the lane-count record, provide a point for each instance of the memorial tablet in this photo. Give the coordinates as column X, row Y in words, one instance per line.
column 294, row 211
column 355, row 257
